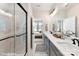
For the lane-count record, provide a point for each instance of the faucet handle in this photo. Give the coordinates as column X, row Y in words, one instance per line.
column 73, row 41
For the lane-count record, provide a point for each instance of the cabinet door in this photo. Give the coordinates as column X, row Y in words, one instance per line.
column 55, row 51
column 46, row 44
column 58, row 53
column 52, row 52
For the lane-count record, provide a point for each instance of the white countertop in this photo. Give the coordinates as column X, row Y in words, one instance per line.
column 64, row 46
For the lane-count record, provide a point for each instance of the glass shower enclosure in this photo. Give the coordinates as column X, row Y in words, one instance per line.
column 13, row 37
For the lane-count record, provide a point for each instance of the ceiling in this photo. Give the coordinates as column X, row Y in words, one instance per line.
column 42, row 6
column 42, row 9
column 4, row 6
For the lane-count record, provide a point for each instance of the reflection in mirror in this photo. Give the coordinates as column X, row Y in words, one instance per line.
column 57, row 26
column 57, row 29
column 66, row 27
column 69, row 26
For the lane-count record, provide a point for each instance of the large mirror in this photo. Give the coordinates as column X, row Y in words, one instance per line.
column 65, row 27
column 69, row 26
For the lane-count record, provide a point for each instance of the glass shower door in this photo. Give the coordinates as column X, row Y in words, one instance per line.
column 6, row 29
column 12, row 29
column 20, row 31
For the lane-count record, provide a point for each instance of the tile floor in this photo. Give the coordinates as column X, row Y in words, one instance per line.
column 38, row 48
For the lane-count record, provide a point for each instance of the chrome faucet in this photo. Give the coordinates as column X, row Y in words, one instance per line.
column 74, row 41
column 69, row 33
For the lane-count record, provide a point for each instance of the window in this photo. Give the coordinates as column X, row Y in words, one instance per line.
column 37, row 26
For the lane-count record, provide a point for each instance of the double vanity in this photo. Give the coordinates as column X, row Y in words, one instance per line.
column 59, row 47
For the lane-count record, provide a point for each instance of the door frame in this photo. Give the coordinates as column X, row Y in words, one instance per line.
column 31, row 31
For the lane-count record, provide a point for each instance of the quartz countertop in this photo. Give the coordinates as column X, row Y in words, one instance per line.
column 64, row 46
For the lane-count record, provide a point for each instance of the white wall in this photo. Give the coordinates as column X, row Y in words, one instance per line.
column 29, row 28
column 47, row 20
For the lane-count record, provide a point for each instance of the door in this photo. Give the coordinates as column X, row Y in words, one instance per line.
column 13, row 39
column 20, row 31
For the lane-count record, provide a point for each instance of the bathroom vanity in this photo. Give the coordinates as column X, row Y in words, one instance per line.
column 51, row 48
column 59, row 47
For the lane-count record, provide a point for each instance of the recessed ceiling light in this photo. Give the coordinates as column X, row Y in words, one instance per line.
column 66, row 4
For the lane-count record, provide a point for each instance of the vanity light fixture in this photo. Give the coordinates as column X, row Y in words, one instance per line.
column 5, row 13
column 54, row 12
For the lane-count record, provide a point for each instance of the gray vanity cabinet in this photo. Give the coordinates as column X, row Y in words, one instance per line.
column 51, row 48
column 46, row 42
column 54, row 50
column 48, row 45
column 52, row 53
